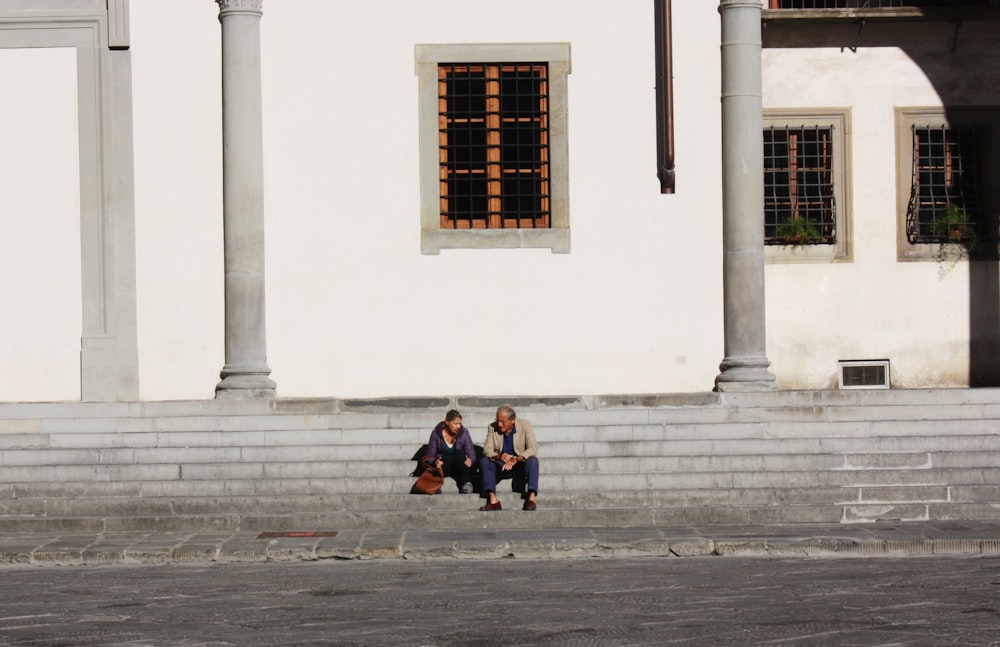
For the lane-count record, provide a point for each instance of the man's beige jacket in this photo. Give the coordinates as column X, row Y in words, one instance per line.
column 524, row 440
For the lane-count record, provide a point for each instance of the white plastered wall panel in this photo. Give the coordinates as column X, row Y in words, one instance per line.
column 608, row 317
column 40, row 216
column 60, row 62
column 353, row 307
column 178, row 171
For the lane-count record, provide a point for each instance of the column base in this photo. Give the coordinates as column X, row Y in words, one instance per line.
column 246, row 384
column 745, row 374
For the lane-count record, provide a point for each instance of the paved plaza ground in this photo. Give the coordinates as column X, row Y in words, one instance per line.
column 712, row 601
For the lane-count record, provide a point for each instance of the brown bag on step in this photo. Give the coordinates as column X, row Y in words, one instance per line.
column 430, row 480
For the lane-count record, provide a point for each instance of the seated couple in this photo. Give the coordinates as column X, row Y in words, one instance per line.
column 510, row 451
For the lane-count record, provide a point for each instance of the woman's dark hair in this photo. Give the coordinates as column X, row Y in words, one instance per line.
column 452, row 415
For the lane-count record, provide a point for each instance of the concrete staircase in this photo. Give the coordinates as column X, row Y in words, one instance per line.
column 673, row 460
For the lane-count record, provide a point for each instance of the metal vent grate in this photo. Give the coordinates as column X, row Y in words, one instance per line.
column 864, row 374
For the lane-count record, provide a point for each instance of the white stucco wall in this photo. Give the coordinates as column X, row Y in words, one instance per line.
column 178, row 197
column 915, row 314
column 40, row 216
column 353, row 308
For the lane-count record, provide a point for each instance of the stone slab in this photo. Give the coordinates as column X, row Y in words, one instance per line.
column 804, row 540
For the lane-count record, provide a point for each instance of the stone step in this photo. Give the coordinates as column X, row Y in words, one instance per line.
column 32, row 493
column 244, row 503
column 510, row 517
column 262, row 431
column 222, row 479
column 260, row 418
column 449, row 500
column 424, row 520
column 785, row 457
column 394, row 456
column 435, row 406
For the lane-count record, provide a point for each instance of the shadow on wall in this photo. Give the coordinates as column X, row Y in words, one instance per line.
column 984, row 323
column 956, row 66
column 958, row 57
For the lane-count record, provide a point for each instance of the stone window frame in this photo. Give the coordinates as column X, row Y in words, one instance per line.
column 842, row 249
column 432, row 237
column 952, row 116
column 98, row 31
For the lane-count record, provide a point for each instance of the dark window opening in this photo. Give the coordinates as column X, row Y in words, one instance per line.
column 799, row 205
column 945, row 204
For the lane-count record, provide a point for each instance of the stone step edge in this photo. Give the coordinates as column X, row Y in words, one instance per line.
column 597, row 499
column 431, row 405
column 172, row 508
column 571, row 543
column 698, row 418
column 575, row 498
column 183, row 470
column 665, row 517
column 398, row 482
column 790, row 448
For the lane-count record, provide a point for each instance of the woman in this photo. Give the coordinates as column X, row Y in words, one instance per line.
column 451, row 449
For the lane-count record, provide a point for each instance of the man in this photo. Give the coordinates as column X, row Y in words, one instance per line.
column 510, row 450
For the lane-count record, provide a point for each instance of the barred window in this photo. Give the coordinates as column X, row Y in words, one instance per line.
column 947, row 180
column 945, row 204
column 494, row 156
column 799, row 203
column 494, row 145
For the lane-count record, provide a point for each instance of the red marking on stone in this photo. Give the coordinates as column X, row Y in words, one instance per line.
column 298, row 533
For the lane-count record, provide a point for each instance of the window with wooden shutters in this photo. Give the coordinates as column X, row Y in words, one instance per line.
column 493, row 146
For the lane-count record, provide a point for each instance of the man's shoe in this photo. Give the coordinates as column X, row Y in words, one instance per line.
column 466, row 488
column 530, row 506
column 490, row 507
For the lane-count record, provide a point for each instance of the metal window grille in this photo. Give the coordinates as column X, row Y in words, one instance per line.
column 945, row 203
column 799, row 205
column 494, row 145
column 872, row 4
column 863, row 374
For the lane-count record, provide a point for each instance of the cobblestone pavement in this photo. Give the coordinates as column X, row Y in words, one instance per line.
column 740, row 600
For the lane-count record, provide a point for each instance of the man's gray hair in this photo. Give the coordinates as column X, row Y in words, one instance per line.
column 507, row 410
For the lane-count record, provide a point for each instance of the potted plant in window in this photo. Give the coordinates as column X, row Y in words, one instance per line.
column 799, row 231
column 953, row 227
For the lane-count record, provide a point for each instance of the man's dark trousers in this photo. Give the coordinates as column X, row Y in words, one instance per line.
column 493, row 472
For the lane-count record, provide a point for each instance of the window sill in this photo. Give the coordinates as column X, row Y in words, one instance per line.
column 432, row 241
column 779, row 254
column 935, row 252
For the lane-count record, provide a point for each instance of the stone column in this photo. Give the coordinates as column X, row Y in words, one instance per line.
column 744, row 367
column 245, row 374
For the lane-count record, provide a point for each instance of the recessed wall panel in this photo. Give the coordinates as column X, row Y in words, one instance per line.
column 40, row 271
